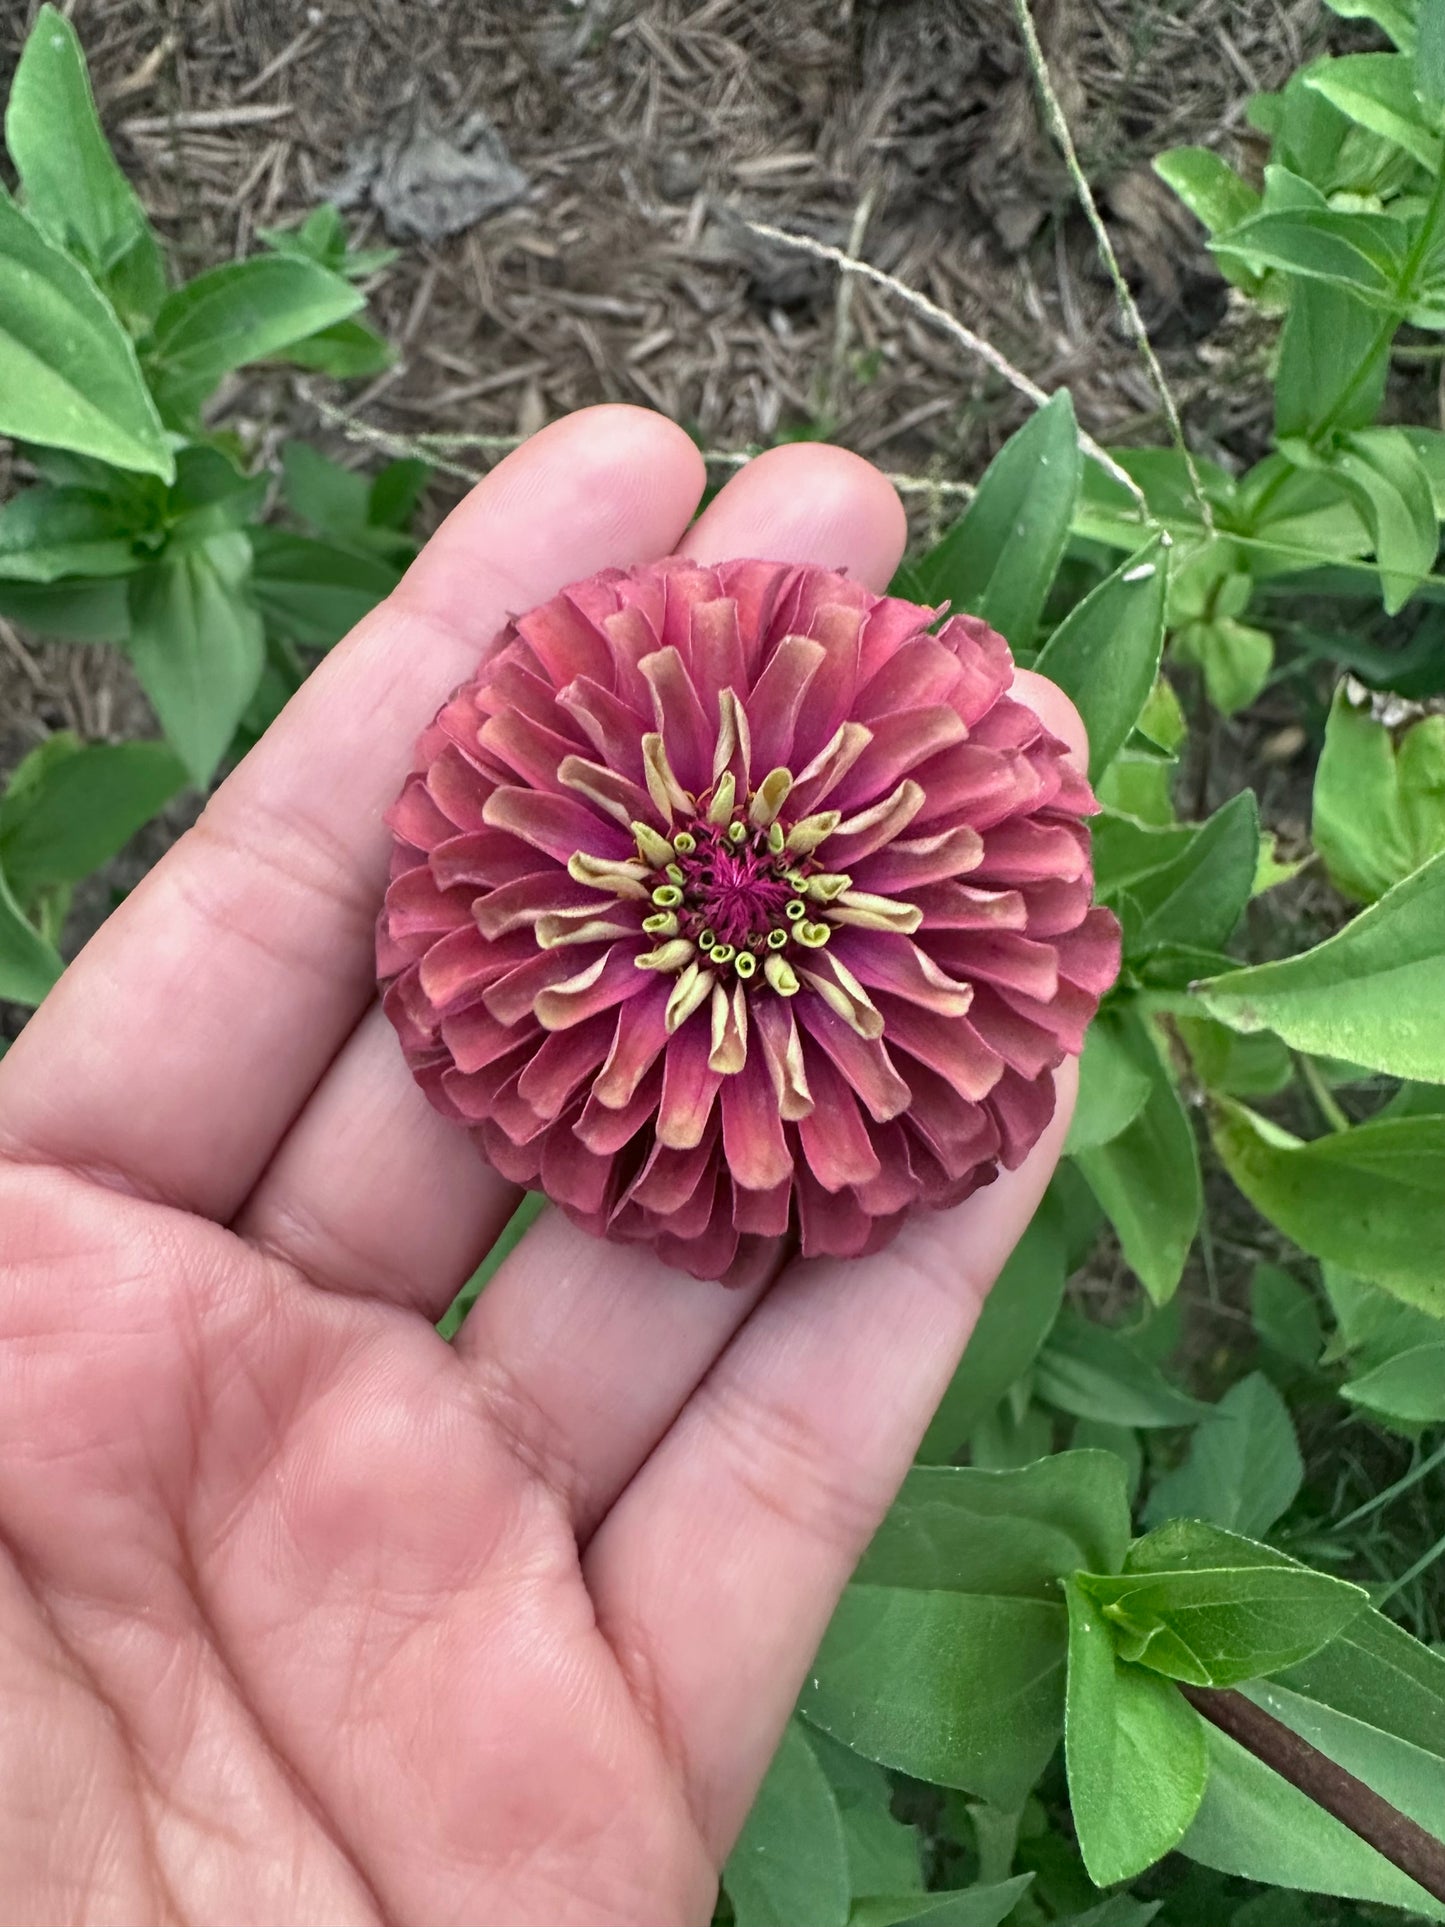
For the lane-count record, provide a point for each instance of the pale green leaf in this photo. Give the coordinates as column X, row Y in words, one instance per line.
column 1113, row 1088
column 790, row 1863
column 998, row 561
column 983, row 1906
column 1379, row 795
column 1089, row 1371
column 68, row 373
column 1243, row 1469
column 1369, row 1199
column 1286, row 1315
column 83, row 808
column 1134, row 1750
column 240, row 312
column 49, row 533
column 29, row 963
column 1105, row 653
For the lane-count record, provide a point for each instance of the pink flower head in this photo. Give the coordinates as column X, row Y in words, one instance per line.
column 734, row 902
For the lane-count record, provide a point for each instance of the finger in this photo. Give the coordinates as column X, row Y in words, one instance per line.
column 178, row 1048
column 403, row 1208
column 716, row 1574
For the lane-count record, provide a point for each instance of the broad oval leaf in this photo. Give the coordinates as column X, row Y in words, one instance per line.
column 73, row 188
column 1379, row 796
column 1244, row 1468
column 999, row 559
column 49, row 533
column 1134, row 1749
column 242, row 311
column 1408, row 1389
column 1368, row 1199
column 1105, row 653
column 69, row 377
column 29, row 962
column 962, row 1689
column 1091, row 1372
column 790, row 1862
column 962, row 1529
column 1113, row 1088
column 1220, row 1626
column 197, row 646
column 982, row 1906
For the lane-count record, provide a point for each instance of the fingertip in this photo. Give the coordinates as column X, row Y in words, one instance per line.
column 1056, row 712
column 807, row 502
column 607, row 485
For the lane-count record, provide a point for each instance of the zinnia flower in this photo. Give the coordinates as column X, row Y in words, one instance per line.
column 729, row 903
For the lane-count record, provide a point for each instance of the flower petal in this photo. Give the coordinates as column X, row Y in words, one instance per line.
column 753, row 1141
column 558, row 825
column 775, row 699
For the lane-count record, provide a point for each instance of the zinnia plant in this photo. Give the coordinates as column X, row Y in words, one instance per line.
column 735, row 902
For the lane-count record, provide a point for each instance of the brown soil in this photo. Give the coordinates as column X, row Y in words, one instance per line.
column 649, row 131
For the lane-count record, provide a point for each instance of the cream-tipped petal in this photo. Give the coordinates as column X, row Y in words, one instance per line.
column 657, row 852
column 810, row 831
column 729, row 1030
column 842, row 992
column 673, row 955
column 782, row 976
column 724, row 799
column 691, row 991
column 769, row 797
column 662, row 784
column 626, row 878
column 867, row 912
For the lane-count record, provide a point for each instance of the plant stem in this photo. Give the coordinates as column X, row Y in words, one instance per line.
column 1420, row 1470
column 1401, row 1840
column 1320, row 1091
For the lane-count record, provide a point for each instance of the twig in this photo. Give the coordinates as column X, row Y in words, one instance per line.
column 202, row 120
column 1129, row 308
column 1402, row 1841
column 843, row 307
column 950, row 324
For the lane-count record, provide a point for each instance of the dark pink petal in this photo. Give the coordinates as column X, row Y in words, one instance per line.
column 900, row 743
column 416, row 818
column 921, row 675
column 985, row 660
column 901, row 868
column 709, row 1256
column 957, row 1136
column 833, row 1224
column 669, row 1178
column 559, row 825
column 891, row 623
column 717, row 656
column 1025, row 1045
column 838, row 1146
column 565, row 641
column 1026, row 851
column 475, row 1092
column 753, row 1142
column 526, row 749
column 688, row 1087
column 522, row 1122
column 564, row 1059
column 837, row 629
column 1005, row 958
column 639, row 1039
column 613, row 727
column 680, row 719
column 952, row 1046
column 1089, row 956
column 684, row 584
column 605, row 1129
column 980, row 786
column 711, row 1199
column 757, row 588
column 895, row 1184
column 456, row 789
column 517, row 1163
column 962, row 906
column 513, row 996
column 573, row 1175
column 475, row 1038
column 605, row 790
column 417, row 1036
column 517, row 905
column 481, row 858
column 513, row 688
column 595, row 983
column 864, row 1061
column 1022, row 1107
column 414, row 905
column 1065, row 1016
column 1055, row 906
column 884, row 962
column 633, row 639
column 765, row 1214
column 1010, row 725
column 775, row 699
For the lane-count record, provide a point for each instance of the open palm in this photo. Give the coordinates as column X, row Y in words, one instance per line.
column 304, row 1614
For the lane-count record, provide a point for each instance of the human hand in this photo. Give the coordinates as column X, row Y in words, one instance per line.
column 304, row 1614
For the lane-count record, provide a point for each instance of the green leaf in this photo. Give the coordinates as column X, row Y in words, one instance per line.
column 885, row 1855
column 1379, row 796
column 397, row 491
column 1199, row 895
column 1255, row 1066
column 790, row 1863
column 1113, row 1087
column 1016, row 1317
column 1395, row 18
column 1134, row 1749
column 965, row 1907
column 240, row 312
column 1372, row 993
column 1208, row 186
column 48, row 533
column 83, row 808
column 1333, row 359
column 1286, row 1315
column 1408, row 1388
column 1383, row 474
column 1244, row 1468
column 1147, row 1178
column 999, row 559
column 962, row 1689
column 333, row 499
column 71, row 611
column 346, row 351
column 1360, row 252
column 1429, row 74
column 1233, row 658
column 314, row 592
column 1374, row 1671
column 1091, row 1372
column 1368, row 1199
column 1223, row 1625
column 74, row 191
column 1253, row 1823
column 1105, row 653
column 68, row 373
column 197, row 646
column 960, row 1529
column 1378, row 91
column 29, row 963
